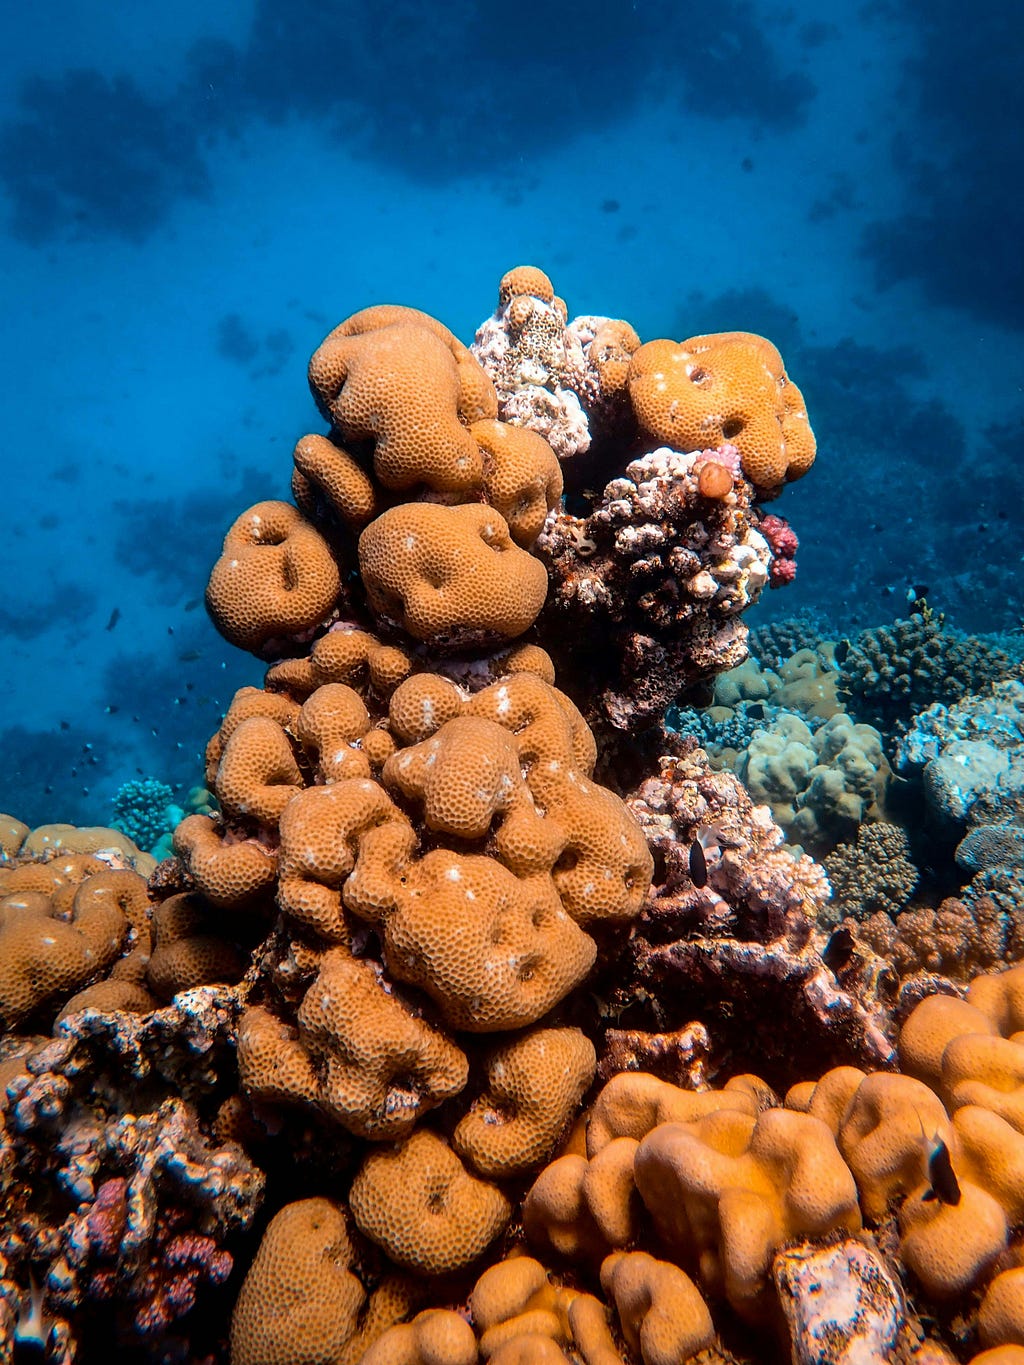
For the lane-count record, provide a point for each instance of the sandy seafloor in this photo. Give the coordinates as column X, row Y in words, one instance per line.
column 154, row 387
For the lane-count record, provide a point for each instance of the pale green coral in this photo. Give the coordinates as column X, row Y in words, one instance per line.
column 821, row 785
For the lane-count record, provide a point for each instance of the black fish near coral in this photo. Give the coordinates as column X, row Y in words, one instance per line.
column 698, row 865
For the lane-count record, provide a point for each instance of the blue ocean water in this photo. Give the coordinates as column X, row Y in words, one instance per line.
column 192, row 196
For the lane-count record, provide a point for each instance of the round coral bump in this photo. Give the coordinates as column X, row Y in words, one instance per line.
column 714, row 480
column 336, row 476
column 990, row 1152
column 110, row 997
column 43, row 959
column 228, row 874
column 275, row 579
column 399, row 386
column 382, row 1067
column 419, row 1203
column 186, row 953
column 450, row 575
column 885, row 1136
column 514, row 1299
column 1000, row 995
column 525, row 279
column 13, row 833
column 556, row 1217
column 534, row 1086
column 591, row 1332
column 477, row 396
column 949, row 1247
column 978, row 1069
column 331, row 727
column 1001, row 1314
column 515, row 956
column 522, row 476
column 257, row 775
column 610, row 1191
column 504, row 1290
column 663, row 1317
column 300, row 1303
column 321, row 830
column 529, row 1349
column 610, row 352
column 930, row 1026
column 273, row 1065
column 633, row 1104
column 463, row 776
column 378, row 746
column 725, row 387
column 829, row 1098
column 437, row 1336
column 420, row 705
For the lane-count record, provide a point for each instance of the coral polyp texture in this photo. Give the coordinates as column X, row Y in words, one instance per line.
column 478, row 1015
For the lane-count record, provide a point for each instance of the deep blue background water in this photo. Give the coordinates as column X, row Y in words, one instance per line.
column 192, row 195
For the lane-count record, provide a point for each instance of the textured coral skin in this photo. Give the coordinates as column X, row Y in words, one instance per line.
column 358, row 1053
column 728, row 386
column 300, row 1300
column 452, row 575
column 424, row 1207
column 275, row 577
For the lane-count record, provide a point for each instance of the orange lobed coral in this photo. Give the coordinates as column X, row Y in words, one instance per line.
column 725, row 387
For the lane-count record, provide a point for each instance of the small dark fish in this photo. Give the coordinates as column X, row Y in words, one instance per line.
column 191, row 606
column 842, row 650
column 944, row 1185
column 839, row 950
column 115, row 616
column 170, row 630
column 65, row 725
column 189, row 656
column 698, row 865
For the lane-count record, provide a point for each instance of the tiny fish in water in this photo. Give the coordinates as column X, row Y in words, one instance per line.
column 698, row 865
column 189, row 656
column 115, row 616
column 943, row 1184
column 191, row 606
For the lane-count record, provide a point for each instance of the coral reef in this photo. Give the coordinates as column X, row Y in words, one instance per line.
column 890, row 673
column 478, row 1013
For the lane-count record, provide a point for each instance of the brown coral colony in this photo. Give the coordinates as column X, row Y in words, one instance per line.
column 460, row 935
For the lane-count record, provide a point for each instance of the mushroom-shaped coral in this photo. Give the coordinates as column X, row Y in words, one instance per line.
column 727, row 386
